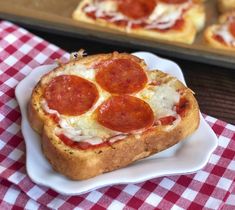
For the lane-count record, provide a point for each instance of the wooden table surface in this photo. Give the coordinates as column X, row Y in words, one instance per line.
column 214, row 86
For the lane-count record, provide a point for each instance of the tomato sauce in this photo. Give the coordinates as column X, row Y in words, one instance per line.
column 168, row 120
column 80, row 145
column 182, row 106
column 179, row 24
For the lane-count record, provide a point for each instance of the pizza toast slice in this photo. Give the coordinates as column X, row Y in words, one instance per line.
column 106, row 111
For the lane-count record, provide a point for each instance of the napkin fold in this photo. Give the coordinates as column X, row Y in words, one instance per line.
column 213, row 187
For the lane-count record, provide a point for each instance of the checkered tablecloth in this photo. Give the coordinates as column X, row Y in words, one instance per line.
column 210, row 188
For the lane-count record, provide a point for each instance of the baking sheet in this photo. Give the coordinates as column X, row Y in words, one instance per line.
column 55, row 15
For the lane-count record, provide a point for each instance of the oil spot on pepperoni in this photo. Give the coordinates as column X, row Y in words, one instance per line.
column 125, row 113
column 70, row 95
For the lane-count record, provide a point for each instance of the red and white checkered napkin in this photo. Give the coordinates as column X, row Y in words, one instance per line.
column 211, row 188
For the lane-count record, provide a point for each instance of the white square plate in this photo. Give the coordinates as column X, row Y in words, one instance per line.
column 179, row 159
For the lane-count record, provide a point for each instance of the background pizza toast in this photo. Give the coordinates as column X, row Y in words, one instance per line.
column 222, row 34
column 184, row 30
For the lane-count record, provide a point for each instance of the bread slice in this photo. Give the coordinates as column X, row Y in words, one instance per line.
column 184, row 30
column 226, row 5
column 197, row 15
column 166, row 96
column 211, row 31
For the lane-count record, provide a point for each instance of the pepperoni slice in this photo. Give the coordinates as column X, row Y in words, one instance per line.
column 70, row 95
column 232, row 28
column 121, row 76
column 125, row 114
column 174, row 1
column 136, row 9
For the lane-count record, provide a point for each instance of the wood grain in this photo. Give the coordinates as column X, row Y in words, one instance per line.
column 214, row 86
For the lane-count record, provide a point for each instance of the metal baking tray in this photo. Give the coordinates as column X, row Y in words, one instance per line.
column 55, row 16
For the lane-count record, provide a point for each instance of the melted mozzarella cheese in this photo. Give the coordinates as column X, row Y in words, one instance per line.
column 224, row 32
column 76, row 136
column 47, row 109
column 86, row 124
column 102, row 8
column 78, row 70
column 106, row 6
column 164, row 15
column 161, row 99
column 85, row 128
column 117, row 138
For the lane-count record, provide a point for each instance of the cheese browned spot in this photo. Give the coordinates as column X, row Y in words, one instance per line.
column 70, row 95
column 125, row 114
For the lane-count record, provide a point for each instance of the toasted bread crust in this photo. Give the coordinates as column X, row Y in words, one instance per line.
column 208, row 36
column 223, row 18
column 194, row 20
column 80, row 164
column 226, row 5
